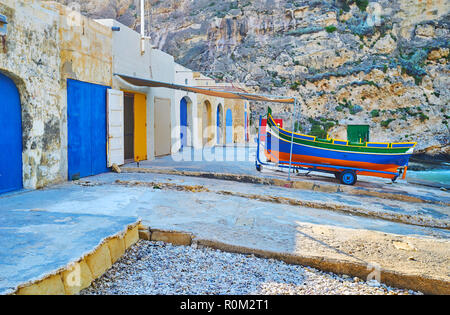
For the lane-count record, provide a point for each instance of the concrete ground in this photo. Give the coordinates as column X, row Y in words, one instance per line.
column 46, row 229
column 105, row 205
column 38, row 241
column 428, row 214
column 241, row 161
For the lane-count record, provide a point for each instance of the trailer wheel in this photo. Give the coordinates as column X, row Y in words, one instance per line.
column 337, row 175
column 258, row 167
column 348, row 177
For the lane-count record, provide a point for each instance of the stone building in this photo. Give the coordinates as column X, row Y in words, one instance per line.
column 222, row 121
column 149, row 113
column 64, row 112
column 86, row 75
column 186, row 110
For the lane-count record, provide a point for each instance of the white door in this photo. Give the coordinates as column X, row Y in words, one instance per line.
column 162, row 127
column 115, row 128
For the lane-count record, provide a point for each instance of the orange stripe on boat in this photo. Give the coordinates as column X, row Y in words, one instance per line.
column 404, row 172
column 334, row 163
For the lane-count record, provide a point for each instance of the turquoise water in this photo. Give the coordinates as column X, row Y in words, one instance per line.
column 441, row 176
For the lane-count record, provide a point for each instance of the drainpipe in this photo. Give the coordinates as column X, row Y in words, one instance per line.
column 294, row 116
column 143, row 37
column 142, row 27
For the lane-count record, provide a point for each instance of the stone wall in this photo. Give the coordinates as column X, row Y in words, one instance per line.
column 85, row 55
column 237, row 108
column 46, row 44
column 30, row 57
column 86, row 47
column 210, row 130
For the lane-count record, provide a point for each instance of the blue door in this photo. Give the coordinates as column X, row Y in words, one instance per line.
column 246, row 126
column 229, row 127
column 219, row 126
column 86, row 124
column 183, row 122
column 10, row 136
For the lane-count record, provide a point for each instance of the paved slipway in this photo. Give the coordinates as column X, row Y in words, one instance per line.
column 238, row 163
column 290, row 221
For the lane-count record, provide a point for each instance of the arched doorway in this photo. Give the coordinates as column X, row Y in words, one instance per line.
column 10, row 136
column 229, row 127
column 186, row 122
column 206, row 123
column 219, row 124
column 246, row 123
column 246, row 127
column 183, row 122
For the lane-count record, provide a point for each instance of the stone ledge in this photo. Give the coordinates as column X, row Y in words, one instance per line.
column 173, row 237
column 77, row 278
column 52, row 285
column 79, row 275
column 99, row 261
column 116, row 248
column 131, row 237
column 145, row 234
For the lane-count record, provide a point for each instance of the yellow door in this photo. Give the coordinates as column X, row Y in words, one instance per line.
column 140, row 127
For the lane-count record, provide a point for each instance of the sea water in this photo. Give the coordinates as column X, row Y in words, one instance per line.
column 436, row 176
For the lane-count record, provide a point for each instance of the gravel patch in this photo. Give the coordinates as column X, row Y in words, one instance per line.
column 159, row 268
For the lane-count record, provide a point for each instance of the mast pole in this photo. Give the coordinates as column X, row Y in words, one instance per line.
column 292, row 136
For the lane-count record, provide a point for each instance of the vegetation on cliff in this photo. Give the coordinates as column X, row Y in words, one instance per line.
column 349, row 61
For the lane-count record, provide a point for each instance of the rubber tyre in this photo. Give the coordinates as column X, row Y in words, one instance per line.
column 337, row 175
column 348, row 177
column 258, row 168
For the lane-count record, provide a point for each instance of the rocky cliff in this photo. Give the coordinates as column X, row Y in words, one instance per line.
column 381, row 63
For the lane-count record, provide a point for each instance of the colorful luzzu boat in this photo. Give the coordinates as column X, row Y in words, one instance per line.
column 346, row 160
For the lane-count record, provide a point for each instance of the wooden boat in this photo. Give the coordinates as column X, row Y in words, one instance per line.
column 344, row 159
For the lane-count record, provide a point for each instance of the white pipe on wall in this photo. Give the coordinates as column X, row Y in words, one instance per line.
column 142, row 27
column 143, row 37
column 142, row 18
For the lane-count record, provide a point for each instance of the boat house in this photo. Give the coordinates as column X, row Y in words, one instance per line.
column 67, row 114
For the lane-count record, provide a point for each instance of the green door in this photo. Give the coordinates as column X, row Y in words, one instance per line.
column 357, row 133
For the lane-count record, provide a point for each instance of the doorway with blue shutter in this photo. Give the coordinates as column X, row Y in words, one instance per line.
column 183, row 122
column 229, row 127
column 86, row 128
column 10, row 136
column 219, row 120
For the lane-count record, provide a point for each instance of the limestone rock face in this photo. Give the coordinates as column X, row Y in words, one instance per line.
column 381, row 63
